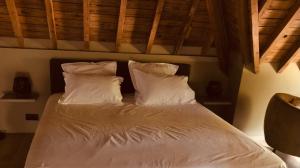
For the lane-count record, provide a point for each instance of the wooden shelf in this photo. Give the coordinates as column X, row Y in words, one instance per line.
column 224, row 103
column 222, row 106
column 13, row 98
column 215, row 101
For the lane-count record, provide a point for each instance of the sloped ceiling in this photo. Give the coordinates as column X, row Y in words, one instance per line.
column 274, row 25
column 275, row 32
column 116, row 21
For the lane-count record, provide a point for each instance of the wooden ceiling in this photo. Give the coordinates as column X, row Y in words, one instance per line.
column 273, row 25
column 163, row 22
column 275, row 32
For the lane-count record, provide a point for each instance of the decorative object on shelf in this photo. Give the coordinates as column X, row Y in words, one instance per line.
column 22, row 91
column 22, row 85
column 214, row 89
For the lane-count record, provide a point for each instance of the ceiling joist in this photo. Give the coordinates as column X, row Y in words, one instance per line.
column 158, row 12
column 187, row 26
column 86, row 24
column 254, row 34
column 16, row 25
column 265, row 5
column 51, row 22
column 215, row 10
column 290, row 56
column 279, row 33
column 121, row 22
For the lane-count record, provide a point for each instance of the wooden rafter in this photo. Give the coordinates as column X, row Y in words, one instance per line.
column 121, row 22
column 255, row 34
column 243, row 32
column 291, row 55
column 187, row 26
column 158, row 12
column 215, row 10
column 279, row 33
column 264, row 7
column 51, row 22
column 14, row 17
column 86, row 24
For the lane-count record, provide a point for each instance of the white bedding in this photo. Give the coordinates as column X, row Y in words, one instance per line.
column 131, row 136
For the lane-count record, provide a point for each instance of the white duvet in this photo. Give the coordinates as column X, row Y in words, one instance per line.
column 131, row 136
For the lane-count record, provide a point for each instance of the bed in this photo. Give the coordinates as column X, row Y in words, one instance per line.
column 131, row 136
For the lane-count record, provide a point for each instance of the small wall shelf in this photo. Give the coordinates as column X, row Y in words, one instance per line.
column 221, row 106
column 13, row 98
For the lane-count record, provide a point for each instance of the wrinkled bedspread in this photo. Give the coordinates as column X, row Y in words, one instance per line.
column 131, row 136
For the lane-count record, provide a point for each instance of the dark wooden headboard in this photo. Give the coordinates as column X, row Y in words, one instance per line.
column 58, row 84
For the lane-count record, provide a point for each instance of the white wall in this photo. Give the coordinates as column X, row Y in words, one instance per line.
column 255, row 92
column 36, row 62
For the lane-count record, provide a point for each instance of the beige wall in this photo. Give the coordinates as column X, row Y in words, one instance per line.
column 256, row 91
column 103, row 46
column 36, row 62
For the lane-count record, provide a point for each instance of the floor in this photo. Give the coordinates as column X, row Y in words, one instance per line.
column 14, row 148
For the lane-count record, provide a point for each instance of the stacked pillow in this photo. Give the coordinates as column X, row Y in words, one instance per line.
column 91, row 83
column 97, row 83
column 157, row 84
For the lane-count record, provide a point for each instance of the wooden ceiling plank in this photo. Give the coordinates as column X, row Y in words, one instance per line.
column 290, row 57
column 264, row 7
column 215, row 10
column 16, row 25
column 51, row 22
column 255, row 35
column 187, row 26
column 158, row 12
column 86, row 24
column 121, row 22
column 279, row 33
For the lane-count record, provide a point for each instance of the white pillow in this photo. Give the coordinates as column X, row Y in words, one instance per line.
column 155, row 89
column 99, row 68
column 91, row 89
column 156, row 68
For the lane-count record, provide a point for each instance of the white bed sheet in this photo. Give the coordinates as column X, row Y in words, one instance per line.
column 131, row 136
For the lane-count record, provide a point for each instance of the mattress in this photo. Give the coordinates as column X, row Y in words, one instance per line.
column 131, row 136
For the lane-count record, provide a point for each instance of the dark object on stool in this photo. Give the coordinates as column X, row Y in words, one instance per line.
column 2, row 135
column 282, row 124
column 214, row 89
column 22, row 85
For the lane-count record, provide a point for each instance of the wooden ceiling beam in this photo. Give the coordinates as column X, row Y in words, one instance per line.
column 158, row 12
column 243, row 31
column 290, row 56
column 86, row 24
column 279, row 33
column 121, row 23
column 254, row 35
column 187, row 26
column 51, row 22
column 16, row 25
column 215, row 10
column 265, row 5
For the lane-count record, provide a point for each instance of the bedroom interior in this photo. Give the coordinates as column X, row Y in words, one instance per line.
column 250, row 47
